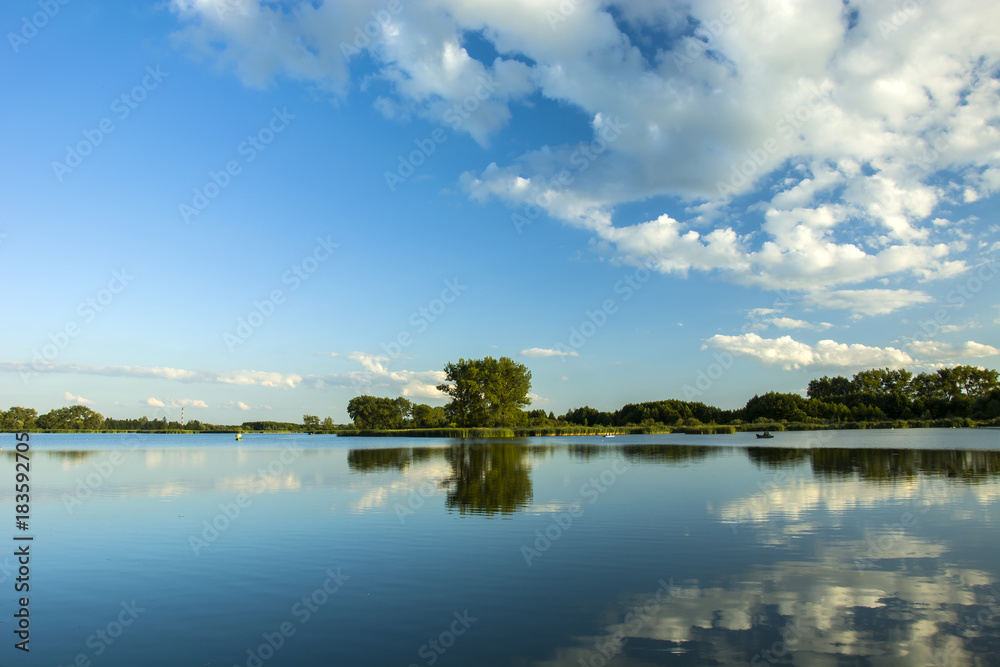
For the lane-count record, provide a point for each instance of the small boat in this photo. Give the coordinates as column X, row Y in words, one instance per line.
column 609, row 435
column 239, row 436
column 765, row 434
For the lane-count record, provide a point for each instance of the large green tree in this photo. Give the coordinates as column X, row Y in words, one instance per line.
column 75, row 417
column 378, row 412
column 18, row 419
column 486, row 392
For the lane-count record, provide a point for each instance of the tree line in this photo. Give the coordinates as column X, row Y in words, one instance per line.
column 495, row 392
column 488, row 392
column 82, row 418
column 878, row 394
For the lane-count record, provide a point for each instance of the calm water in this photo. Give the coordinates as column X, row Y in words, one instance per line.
column 811, row 549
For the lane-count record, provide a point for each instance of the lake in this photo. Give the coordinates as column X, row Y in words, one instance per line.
column 818, row 548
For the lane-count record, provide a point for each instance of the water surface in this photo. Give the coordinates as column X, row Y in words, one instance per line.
column 851, row 547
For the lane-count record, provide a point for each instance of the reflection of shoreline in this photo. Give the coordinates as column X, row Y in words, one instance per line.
column 883, row 465
column 870, row 465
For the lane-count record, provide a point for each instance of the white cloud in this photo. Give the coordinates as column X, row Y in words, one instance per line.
column 791, row 323
column 155, row 402
column 80, row 400
column 860, row 115
column 947, row 351
column 547, row 352
column 247, row 378
column 188, row 403
column 789, row 353
column 867, row 301
column 411, row 384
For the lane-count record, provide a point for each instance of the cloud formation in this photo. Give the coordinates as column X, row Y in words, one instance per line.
column 683, row 105
column 79, row 400
column 243, row 378
column 411, row 384
column 949, row 351
column 789, row 353
column 547, row 352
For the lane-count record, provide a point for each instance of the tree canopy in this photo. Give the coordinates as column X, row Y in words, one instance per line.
column 486, row 392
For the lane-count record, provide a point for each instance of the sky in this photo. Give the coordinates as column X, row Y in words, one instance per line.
column 259, row 210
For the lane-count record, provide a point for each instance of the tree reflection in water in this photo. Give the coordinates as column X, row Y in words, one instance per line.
column 495, row 478
column 489, row 479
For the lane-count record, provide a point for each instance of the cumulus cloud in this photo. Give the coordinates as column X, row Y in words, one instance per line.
column 547, row 352
column 188, row 403
column 790, row 353
column 411, row 384
column 176, row 403
column 866, row 301
column 246, row 378
column 80, row 400
column 792, row 323
column 948, row 351
column 824, row 101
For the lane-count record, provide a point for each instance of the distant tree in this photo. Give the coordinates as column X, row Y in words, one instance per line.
column 310, row 421
column 18, row 419
column 405, row 408
column 827, row 388
column 76, row 417
column 376, row 413
column 328, row 424
column 777, row 406
column 425, row 416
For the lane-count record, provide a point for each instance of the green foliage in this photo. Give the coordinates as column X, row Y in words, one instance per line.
column 270, row 426
column 73, row 418
column 425, row 416
column 486, row 392
column 370, row 412
column 18, row 419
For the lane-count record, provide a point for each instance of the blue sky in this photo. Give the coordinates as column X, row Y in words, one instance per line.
column 259, row 210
